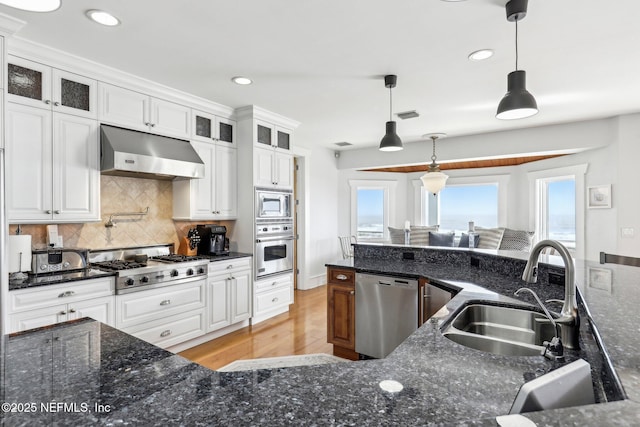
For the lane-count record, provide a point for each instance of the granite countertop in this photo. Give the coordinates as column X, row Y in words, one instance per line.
column 35, row 280
column 443, row 383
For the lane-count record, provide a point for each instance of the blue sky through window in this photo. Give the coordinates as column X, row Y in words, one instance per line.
column 561, row 211
column 370, row 210
column 460, row 204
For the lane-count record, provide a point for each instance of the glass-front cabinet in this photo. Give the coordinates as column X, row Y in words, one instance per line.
column 269, row 135
column 37, row 85
column 210, row 128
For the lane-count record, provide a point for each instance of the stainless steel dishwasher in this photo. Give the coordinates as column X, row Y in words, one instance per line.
column 386, row 313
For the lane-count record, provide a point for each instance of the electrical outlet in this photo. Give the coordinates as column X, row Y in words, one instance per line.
column 475, row 262
column 627, row 232
column 408, row 255
column 556, row 278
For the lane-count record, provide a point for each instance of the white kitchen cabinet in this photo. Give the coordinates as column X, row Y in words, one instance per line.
column 138, row 111
column 52, row 166
column 272, row 296
column 229, row 292
column 271, row 135
column 213, row 197
column 45, row 305
column 207, row 127
column 172, row 330
column 38, row 85
column 272, row 168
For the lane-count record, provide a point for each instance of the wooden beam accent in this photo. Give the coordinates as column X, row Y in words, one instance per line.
column 471, row 164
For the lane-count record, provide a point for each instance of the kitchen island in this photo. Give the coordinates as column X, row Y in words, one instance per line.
column 124, row 380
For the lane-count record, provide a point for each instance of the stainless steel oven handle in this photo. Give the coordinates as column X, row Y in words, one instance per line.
column 274, row 239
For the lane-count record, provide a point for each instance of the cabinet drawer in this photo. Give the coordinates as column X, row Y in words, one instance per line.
column 266, row 285
column 154, row 304
column 230, row 265
column 271, row 300
column 37, row 318
column 341, row 276
column 171, row 330
column 46, row 296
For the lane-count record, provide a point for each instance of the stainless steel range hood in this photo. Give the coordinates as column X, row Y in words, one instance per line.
column 131, row 153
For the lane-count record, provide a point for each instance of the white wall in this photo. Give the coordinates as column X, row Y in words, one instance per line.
column 612, row 157
column 322, row 214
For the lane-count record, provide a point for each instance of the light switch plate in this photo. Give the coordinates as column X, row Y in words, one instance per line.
column 627, row 232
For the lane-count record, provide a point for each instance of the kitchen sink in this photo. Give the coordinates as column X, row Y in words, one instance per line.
column 500, row 330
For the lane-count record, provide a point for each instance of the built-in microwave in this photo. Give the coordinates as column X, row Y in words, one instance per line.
column 273, row 204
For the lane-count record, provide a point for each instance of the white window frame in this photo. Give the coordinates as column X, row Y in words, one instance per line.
column 421, row 213
column 389, row 200
column 537, row 206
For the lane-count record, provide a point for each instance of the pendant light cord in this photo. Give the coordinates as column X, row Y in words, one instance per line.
column 390, row 103
column 516, row 45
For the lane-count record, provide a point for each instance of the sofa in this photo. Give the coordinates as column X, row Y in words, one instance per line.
column 500, row 238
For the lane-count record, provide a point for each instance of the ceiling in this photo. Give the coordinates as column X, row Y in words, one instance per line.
column 322, row 62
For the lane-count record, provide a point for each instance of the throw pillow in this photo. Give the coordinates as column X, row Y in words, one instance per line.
column 420, row 234
column 396, row 235
column 516, row 240
column 464, row 241
column 441, row 239
column 490, row 238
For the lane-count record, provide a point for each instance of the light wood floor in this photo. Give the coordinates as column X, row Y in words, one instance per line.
column 303, row 330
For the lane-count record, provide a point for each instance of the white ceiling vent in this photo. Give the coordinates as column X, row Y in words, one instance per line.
column 408, row 114
column 343, row 144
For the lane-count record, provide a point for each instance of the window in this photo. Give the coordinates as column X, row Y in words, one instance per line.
column 557, row 210
column 460, row 204
column 481, row 199
column 370, row 213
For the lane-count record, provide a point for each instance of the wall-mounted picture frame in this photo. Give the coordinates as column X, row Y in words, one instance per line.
column 599, row 197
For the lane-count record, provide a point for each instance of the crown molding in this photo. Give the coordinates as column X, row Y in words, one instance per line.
column 255, row 112
column 10, row 25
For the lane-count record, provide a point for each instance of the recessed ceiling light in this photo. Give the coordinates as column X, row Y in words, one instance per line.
column 239, row 80
column 102, row 17
column 33, row 5
column 481, row 55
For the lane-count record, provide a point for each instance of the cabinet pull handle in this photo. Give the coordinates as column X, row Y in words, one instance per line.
column 230, row 266
column 166, row 333
column 62, row 313
column 47, row 101
column 48, row 212
column 153, row 125
column 341, row 277
column 56, row 212
column 57, row 104
column 73, row 310
column 66, row 294
column 165, row 302
column 274, row 283
column 275, row 299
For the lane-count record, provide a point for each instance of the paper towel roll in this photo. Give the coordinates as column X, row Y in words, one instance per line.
column 19, row 244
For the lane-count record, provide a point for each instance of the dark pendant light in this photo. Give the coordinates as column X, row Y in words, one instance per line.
column 390, row 141
column 518, row 103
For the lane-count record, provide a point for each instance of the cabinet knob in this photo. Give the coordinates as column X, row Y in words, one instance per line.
column 56, row 104
column 352, row 293
column 73, row 310
column 341, row 277
column 165, row 333
column 57, row 212
column 165, row 302
column 153, row 125
column 48, row 212
column 62, row 313
column 275, row 299
column 47, row 101
column 274, row 283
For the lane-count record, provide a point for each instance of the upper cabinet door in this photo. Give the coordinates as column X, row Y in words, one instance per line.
column 123, row 107
column 203, row 126
column 170, row 119
column 28, row 83
column 283, row 138
column 264, row 134
column 226, row 132
column 74, row 94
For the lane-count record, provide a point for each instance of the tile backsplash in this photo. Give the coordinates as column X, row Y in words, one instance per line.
column 121, row 194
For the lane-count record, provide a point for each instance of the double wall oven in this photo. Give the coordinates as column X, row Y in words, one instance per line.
column 274, row 232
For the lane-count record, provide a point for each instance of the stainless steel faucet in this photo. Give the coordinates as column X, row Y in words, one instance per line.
column 568, row 320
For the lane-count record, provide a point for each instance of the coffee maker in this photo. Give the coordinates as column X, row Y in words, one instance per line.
column 213, row 240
